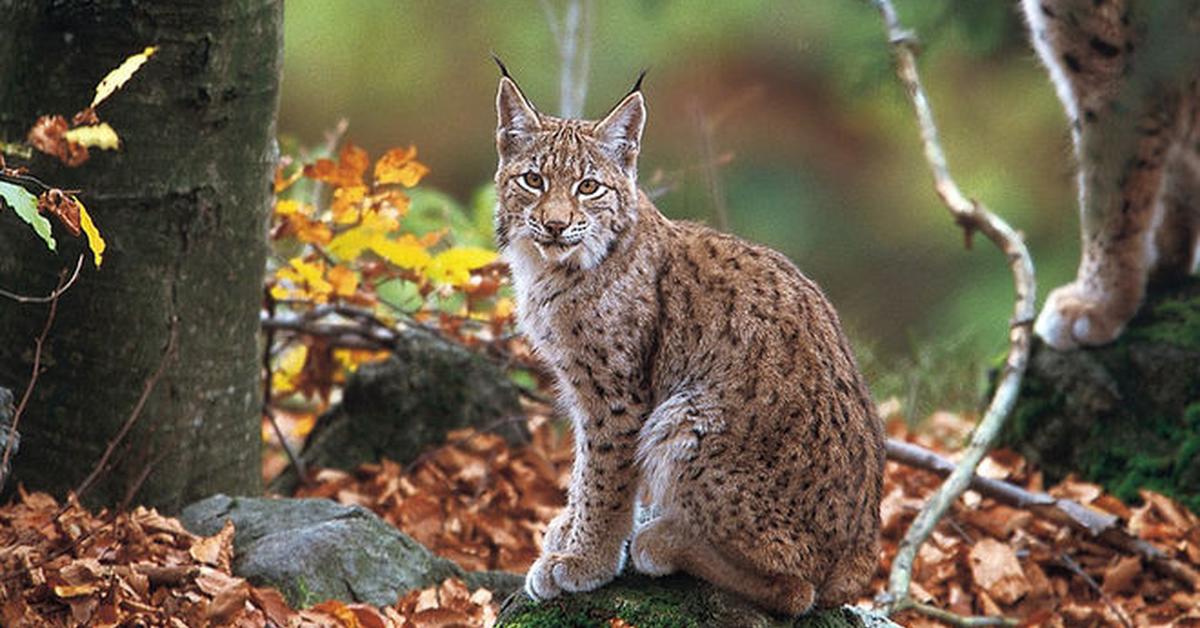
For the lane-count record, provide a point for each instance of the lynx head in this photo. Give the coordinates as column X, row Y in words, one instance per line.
column 567, row 189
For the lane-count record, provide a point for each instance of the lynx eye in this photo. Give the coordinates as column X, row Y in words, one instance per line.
column 587, row 187
column 532, row 181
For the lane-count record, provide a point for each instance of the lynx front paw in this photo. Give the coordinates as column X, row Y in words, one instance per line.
column 554, row 573
column 1073, row 317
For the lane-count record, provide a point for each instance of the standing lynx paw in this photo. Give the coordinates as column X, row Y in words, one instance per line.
column 554, row 573
column 1074, row 317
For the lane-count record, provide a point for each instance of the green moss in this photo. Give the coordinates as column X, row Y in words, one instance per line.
column 1173, row 322
column 1126, row 415
column 671, row 602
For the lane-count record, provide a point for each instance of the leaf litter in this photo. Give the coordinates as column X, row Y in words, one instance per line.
column 485, row 505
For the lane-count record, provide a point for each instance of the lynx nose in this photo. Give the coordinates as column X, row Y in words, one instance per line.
column 555, row 227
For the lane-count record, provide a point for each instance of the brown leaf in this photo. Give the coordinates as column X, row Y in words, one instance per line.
column 216, row 550
column 995, row 569
column 272, row 604
column 49, row 136
column 1118, row 577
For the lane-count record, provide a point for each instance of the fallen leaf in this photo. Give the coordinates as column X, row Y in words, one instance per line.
column 995, row 569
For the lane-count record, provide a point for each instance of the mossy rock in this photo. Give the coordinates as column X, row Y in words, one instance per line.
column 673, row 602
column 1125, row 415
column 314, row 550
column 406, row 404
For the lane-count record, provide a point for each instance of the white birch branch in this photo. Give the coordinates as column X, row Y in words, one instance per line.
column 971, row 216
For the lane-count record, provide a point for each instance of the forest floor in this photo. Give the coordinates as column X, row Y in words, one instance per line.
column 484, row 505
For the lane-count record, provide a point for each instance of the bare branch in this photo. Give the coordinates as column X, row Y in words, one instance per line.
column 1099, row 526
column 38, row 344
column 573, row 40
column 54, row 294
column 971, row 216
column 135, row 414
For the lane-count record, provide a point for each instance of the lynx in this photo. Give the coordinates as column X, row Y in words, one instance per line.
column 706, row 378
column 1128, row 74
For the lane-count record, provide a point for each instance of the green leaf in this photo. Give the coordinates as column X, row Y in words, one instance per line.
column 25, row 204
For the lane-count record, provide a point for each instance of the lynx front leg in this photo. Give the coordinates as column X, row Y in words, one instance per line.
column 1124, row 123
column 584, row 547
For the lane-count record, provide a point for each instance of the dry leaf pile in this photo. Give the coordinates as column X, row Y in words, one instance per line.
column 475, row 501
column 483, row 505
column 986, row 558
column 64, row 566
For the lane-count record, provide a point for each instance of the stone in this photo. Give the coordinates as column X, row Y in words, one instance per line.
column 314, row 550
column 406, row 404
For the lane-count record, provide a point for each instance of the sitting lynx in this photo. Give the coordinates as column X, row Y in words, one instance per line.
column 1128, row 73
column 705, row 376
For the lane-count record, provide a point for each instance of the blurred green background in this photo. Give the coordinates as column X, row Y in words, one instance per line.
column 823, row 158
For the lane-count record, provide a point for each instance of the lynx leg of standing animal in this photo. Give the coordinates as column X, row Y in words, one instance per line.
column 1125, row 105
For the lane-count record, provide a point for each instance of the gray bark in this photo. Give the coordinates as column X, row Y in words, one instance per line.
column 183, row 206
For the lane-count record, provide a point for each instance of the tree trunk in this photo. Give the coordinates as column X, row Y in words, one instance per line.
column 183, row 206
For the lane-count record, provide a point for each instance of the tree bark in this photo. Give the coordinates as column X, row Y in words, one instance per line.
column 183, row 205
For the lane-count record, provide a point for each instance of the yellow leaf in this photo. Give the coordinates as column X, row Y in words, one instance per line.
column 346, row 202
column 344, row 281
column 400, row 165
column 118, row 77
column 405, row 252
column 454, row 266
column 504, row 308
column 288, row 368
column 307, row 278
column 95, row 240
column 373, row 227
column 308, row 230
column 65, row 591
column 286, row 207
column 99, row 136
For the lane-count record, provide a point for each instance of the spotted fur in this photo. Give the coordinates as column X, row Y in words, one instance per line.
column 1128, row 75
column 703, row 373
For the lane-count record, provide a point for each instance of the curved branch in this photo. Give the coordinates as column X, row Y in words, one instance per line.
column 54, row 294
column 971, row 216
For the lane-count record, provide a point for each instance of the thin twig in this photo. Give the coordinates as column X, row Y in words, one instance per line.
column 971, row 216
column 293, row 459
column 954, row 619
column 1074, row 567
column 1099, row 526
column 101, row 465
column 705, row 127
column 54, row 294
column 38, row 344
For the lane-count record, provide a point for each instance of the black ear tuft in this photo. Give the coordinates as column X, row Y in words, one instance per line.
column 637, row 87
column 504, row 70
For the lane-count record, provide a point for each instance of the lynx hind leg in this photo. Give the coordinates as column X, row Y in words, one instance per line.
column 668, row 543
column 849, row 576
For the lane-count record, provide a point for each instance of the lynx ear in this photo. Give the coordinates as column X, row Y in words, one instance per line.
column 516, row 118
column 621, row 130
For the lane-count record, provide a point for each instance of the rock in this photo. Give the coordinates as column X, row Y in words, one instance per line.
column 7, row 432
column 313, row 550
column 1125, row 415
column 678, row 601
column 399, row 407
